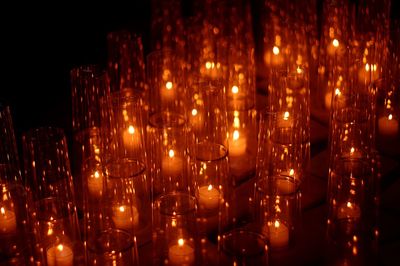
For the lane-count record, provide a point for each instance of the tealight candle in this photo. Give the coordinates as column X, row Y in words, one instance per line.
column 285, row 186
column 8, row 222
column 349, row 211
column 196, row 119
column 353, row 154
column 95, row 183
column 131, row 138
column 237, row 144
column 125, row 217
column 209, row 197
column 60, row 255
column 285, row 121
column 181, row 253
column 171, row 165
column 333, row 47
column 278, row 234
column 168, row 91
column 388, row 126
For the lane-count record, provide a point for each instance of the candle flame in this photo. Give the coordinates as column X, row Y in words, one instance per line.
column 210, row 187
column 390, row 117
column 2, row 210
column 337, row 92
column 355, row 238
column 131, row 130
column 235, row 89
column 194, row 112
column 366, row 67
column 352, row 150
column 277, row 224
column 171, row 153
column 236, row 135
column 335, row 43
column 286, row 115
column 291, row 172
column 299, row 70
column 275, row 50
column 96, row 174
column 168, row 85
column 121, row 208
column 50, row 231
column 181, row 242
column 60, row 247
column 209, row 65
column 349, row 204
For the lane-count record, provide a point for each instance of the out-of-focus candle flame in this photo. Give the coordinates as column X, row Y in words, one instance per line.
column 275, row 50
column 171, row 153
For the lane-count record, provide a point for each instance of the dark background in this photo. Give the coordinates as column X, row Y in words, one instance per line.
column 42, row 42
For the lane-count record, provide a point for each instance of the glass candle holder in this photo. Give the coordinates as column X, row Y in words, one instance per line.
column 127, row 195
column 175, row 240
column 56, row 232
column 47, row 166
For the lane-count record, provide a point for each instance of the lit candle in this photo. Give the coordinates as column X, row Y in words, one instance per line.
column 328, row 99
column 168, row 91
column 125, row 217
column 95, row 183
column 388, row 126
column 171, row 165
column 278, row 234
column 333, row 47
column 209, row 197
column 131, row 138
column 181, row 253
column 349, row 211
column 196, row 119
column 353, row 154
column 211, row 69
column 8, row 222
column 368, row 73
column 277, row 58
column 284, row 185
column 60, row 255
column 285, row 121
column 237, row 144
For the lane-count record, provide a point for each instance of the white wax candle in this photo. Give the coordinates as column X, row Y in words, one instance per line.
column 131, row 138
column 348, row 211
column 209, row 197
column 95, row 183
column 8, row 222
column 60, row 255
column 181, row 253
column 125, row 217
column 388, row 126
column 171, row 165
column 237, row 144
column 278, row 234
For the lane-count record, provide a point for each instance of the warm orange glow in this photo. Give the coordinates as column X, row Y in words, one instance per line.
column 390, row 117
column 122, row 209
column 210, row 187
column 168, row 85
column 335, row 43
column 291, row 172
column 131, row 130
column 2, row 211
column 349, row 204
column 276, row 224
column 286, row 115
column 366, row 67
column 171, row 153
column 60, row 247
column 337, row 92
column 194, row 112
column 235, row 89
column 352, row 150
column 181, row 242
column 275, row 50
column 299, row 70
column 96, row 174
column 236, row 135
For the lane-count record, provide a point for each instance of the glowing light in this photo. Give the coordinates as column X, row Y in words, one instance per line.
column 3, row 211
column 275, row 50
column 277, row 224
column 60, row 247
column 168, row 85
column 131, row 130
column 337, row 92
column 208, row 65
column 352, row 150
column 286, row 115
column 96, row 174
column 335, row 43
column 210, row 187
column 236, row 134
column 181, row 242
column 366, row 67
column 390, row 117
column 171, row 153
column 194, row 112
column 291, row 172
column 122, row 209
column 235, row 89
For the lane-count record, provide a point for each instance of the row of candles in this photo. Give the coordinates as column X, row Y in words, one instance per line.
column 192, row 132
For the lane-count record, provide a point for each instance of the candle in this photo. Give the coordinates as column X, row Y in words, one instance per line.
column 349, row 211
column 60, row 255
column 95, row 183
column 278, row 234
column 211, row 69
column 284, row 185
column 353, row 154
column 368, row 73
column 131, row 138
column 168, row 91
column 8, row 222
column 171, row 165
column 209, row 197
column 388, row 126
column 285, row 120
column 328, row 99
column 237, row 144
column 125, row 217
column 332, row 47
column 196, row 119
column 181, row 253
